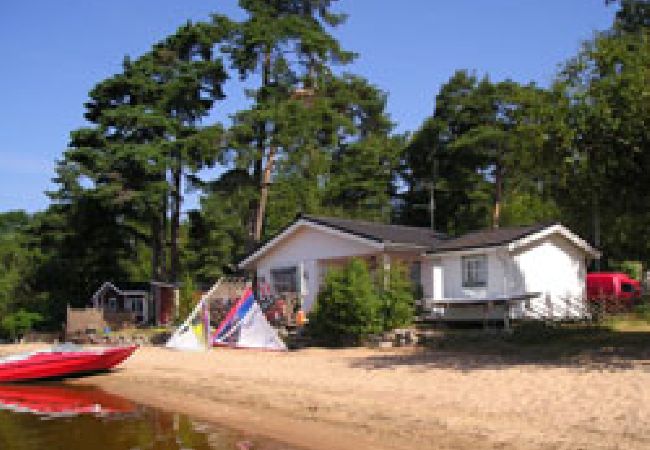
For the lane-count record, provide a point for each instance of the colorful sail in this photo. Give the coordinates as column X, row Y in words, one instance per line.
column 193, row 333
column 245, row 326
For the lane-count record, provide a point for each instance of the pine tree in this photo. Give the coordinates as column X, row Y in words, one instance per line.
column 479, row 153
column 272, row 30
column 146, row 135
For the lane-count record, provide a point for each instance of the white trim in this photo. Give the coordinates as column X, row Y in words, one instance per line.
column 101, row 289
column 303, row 222
column 467, row 251
column 555, row 229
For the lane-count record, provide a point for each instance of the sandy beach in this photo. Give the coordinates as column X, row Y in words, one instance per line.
column 396, row 399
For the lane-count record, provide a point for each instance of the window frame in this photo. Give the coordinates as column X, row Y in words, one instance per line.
column 285, row 271
column 472, row 274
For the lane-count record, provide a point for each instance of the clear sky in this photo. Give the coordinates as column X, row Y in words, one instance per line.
column 53, row 52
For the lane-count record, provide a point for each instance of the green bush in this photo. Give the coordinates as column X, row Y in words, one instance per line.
column 351, row 306
column 20, row 322
column 348, row 307
column 397, row 299
column 642, row 311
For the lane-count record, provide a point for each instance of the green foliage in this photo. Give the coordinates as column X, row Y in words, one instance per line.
column 20, row 322
column 634, row 269
column 348, row 307
column 186, row 298
column 633, row 16
column 397, row 298
column 351, row 305
column 219, row 230
column 642, row 310
column 481, row 153
column 605, row 163
column 19, row 260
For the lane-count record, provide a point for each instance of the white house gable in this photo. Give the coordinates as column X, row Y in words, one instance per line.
column 555, row 267
column 303, row 248
column 307, row 242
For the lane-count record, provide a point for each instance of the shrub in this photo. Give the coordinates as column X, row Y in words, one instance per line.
column 20, row 322
column 348, row 307
column 397, row 299
column 642, row 311
column 351, row 306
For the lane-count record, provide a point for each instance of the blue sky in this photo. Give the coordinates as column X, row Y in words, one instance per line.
column 54, row 52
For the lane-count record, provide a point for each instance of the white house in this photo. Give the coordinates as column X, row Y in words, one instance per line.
column 511, row 273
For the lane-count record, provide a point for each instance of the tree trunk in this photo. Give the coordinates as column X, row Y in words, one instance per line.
column 264, row 193
column 163, row 238
column 177, row 200
column 498, row 193
column 260, row 172
column 155, row 248
column 596, row 219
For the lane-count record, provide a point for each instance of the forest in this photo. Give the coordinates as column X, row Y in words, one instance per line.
column 315, row 138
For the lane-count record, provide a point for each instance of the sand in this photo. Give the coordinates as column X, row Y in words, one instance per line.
column 396, row 399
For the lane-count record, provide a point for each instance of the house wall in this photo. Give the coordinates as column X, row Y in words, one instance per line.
column 553, row 266
column 303, row 248
column 452, row 267
column 313, row 251
column 556, row 268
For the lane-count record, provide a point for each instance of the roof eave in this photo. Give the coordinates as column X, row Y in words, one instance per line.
column 559, row 229
column 303, row 221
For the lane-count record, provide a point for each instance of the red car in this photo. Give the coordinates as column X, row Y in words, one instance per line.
column 613, row 288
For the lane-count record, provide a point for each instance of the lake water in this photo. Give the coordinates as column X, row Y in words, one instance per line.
column 62, row 417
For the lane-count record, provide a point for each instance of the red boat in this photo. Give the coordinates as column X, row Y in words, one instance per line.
column 62, row 400
column 63, row 361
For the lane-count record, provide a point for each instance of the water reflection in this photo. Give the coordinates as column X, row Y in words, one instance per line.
column 61, row 400
column 63, row 417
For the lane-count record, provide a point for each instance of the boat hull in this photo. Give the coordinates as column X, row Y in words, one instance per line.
column 62, row 364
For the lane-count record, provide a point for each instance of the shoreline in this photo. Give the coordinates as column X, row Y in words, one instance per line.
column 393, row 399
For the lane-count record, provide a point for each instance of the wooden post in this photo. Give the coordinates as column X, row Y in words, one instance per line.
column 385, row 258
column 486, row 314
column 506, row 317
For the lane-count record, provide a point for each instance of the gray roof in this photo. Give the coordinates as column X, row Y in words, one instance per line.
column 489, row 238
column 424, row 239
column 380, row 232
column 433, row 241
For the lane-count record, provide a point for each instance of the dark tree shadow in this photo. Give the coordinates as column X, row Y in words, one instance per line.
column 577, row 347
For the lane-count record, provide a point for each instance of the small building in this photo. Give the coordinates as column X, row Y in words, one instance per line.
column 165, row 302
column 137, row 303
column 131, row 300
column 530, row 272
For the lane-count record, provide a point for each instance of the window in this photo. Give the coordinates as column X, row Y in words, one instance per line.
column 136, row 304
column 475, row 271
column 415, row 273
column 627, row 287
column 285, row 279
